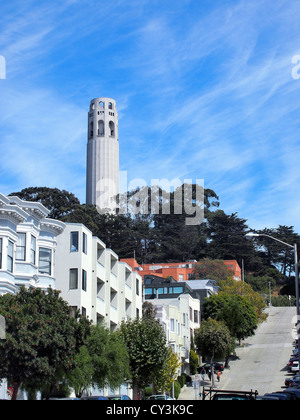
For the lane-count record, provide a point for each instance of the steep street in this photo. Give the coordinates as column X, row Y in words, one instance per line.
column 263, row 358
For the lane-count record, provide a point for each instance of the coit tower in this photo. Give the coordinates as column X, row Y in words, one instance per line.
column 102, row 180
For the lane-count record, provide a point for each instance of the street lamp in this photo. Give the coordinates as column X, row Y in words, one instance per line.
column 256, row 235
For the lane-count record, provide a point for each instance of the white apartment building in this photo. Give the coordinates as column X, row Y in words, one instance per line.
column 92, row 279
column 27, row 245
column 180, row 318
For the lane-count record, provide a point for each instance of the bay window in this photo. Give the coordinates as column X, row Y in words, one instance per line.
column 21, row 247
column 45, row 261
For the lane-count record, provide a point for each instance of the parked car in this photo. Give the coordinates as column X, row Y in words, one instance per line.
column 232, row 397
column 266, row 397
column 280, row 395
column 95, row 398
column 118, row 397
column 294, row 367
column 294, row 383
column 288, row 381
column 293, row 391
column 217, row 367
column 160, row 397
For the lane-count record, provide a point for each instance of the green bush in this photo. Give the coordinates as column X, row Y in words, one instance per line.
column 194, row 362
column 148, row 391
column 182, row 380
column 177, row 390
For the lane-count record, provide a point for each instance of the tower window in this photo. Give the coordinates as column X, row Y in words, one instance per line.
column 91, row 129
column 110, row 105
column 101, row 104
column 112, row 128
column 100, row 128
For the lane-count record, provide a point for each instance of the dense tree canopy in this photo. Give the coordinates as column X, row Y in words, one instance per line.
column 212, row 269
column 213, row 340
column 60, row 203
column 145, row 341
column 158, row 237
column 236, row 311
column 41, row 337
column 102, row 362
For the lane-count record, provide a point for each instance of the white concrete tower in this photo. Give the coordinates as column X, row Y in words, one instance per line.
column 102, row 180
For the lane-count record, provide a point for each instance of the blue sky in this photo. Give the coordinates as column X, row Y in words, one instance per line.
column 204, row 90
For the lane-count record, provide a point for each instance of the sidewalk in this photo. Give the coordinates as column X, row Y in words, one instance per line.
column 191, row 393
column 188, row 393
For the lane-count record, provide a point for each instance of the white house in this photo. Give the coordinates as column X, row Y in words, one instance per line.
column 180, row 317
column 92, row 279
column 27, row 245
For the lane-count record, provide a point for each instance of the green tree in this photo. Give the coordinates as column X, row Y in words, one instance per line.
column 148, row 352
column 236, row 311
column 276, row 254
column 260, row 284
column 212, row 269
column 194, row 362
column 60, row 203
column 231, row 287
column 103, row 361
column 226, row 238
column 41, row 338
column 164, row 380
column 214, row 340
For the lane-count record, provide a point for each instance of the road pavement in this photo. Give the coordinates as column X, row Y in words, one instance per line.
column 261, row 359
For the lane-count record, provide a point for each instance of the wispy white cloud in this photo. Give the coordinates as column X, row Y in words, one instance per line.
column 43, row 142
column 202, row 92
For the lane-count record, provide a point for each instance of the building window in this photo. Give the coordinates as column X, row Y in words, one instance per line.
column 172, row 325
column 21, row 247
column 73, row 278
column 74, row 241
column 148, row 291
column 45, row 261
column 73, row 311
column 84, row 243
column 178, row 290
column 137, row 287
column 33, row 250
column 84, row 279
column 196, row 316
column 10, row 256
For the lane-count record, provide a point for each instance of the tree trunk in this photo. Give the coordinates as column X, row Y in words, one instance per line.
column 16, row 387
column 135, row 392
